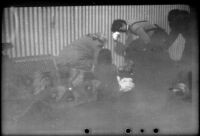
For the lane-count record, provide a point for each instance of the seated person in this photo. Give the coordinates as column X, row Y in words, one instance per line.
column 106, row 73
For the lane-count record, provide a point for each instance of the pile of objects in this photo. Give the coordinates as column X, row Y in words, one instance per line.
column 125, row 76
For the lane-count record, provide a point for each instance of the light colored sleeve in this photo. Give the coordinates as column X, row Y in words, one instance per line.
column 177, row 48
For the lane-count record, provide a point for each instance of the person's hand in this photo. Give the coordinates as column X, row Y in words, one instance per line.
column 115, row 36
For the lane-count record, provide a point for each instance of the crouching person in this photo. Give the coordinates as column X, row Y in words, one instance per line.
column 106, row 73
column 78, row 58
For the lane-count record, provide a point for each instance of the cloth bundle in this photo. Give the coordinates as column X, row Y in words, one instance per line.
column 126, row 84
column 115, row 35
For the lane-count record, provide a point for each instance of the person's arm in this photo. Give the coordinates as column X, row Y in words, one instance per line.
column 129, row 38
column 143, row 35
column 96, row 54
column 115, row 71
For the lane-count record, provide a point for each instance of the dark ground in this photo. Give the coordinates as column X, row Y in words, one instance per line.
column 149, row 106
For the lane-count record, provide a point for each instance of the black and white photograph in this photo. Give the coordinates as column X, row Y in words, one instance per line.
column 100, row 69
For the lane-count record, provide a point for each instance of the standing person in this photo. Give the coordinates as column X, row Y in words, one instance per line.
column 106, row 73
column 179, row 34
column 181, row 43
column 79, row 57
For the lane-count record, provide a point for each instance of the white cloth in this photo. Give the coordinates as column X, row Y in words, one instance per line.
column 115, row 35
column 177, row 48
column 126, row 84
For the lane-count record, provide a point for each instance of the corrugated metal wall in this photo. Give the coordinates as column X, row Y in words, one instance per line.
column 46, row 30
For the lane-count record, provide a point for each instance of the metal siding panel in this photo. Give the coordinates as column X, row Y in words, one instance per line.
column 84, row 20
column 3, row 31
column 11, row 32
column 80, row 15
column 103, row 19
column 4, row 26
column 110, row 22
column 72, row 18
column 87, row 19
column 21, row 34
column 69, row 28
column 49, row 41
column 107, row 16
column 17, row 31
column 44, row 23
column 97, row 19
column 40, row 32
column 94, row 23
column 71, row 24
column 101, row 27
column 27, row 35
column 7, row 28
column 35, row 31
column 65, row 26
column 60, row 28
column 47, row 29
column 76, row 22
column 14, row 49
column 90, row 20
column 31, row 31
column 92, row 14
column 50, row 25
column 52, row 28
column 57, row 39
column 115, row 56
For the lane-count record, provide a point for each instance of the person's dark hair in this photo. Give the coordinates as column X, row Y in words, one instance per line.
column 178, row 20
column 104, row 57
column 117, row 24
column 173, row 14
column 173, row 19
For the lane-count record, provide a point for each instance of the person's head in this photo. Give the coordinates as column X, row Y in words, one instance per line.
column 173, row 15
column 178, row 20
column 119, row 25
column 104, row 57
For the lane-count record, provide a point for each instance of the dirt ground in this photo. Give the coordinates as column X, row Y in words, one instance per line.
column 150, row 105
